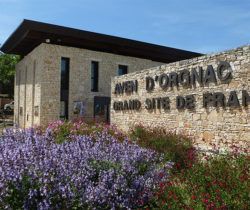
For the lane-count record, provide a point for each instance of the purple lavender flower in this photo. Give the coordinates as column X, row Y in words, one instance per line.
column 36, row 173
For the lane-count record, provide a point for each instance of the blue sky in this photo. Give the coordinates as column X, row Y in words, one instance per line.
column 198, row 25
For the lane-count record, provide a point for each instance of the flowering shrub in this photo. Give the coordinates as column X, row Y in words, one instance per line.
column 94, row 166
column 176, row 148
column 220, row 182
column 63, row 130
column 37, row 173
column 200, row 180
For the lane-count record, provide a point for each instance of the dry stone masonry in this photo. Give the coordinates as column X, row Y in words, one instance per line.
column 207, row 98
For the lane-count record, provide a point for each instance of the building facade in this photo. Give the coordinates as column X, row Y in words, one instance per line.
column 53, row 79
column 66, row 73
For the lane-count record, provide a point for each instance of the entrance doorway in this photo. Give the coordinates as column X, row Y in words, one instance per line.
column 102, row 108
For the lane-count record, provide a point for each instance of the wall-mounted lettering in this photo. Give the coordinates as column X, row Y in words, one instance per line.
column 187, row 102
column 186, row 78
column 127, row 105
column 126, row 87
column 157, row 103
column 219, row 99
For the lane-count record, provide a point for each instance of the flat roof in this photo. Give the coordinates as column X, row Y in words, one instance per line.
column 29, row 34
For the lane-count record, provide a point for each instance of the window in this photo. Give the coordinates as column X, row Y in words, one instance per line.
column 64, row 96
column 94, row 76
column 64, row 73
column 63, row 111
column 122, row 69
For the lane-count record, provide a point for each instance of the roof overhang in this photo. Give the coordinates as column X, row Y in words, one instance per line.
column 30, row 34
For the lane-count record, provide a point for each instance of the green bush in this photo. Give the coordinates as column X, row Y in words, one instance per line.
column 221, row 182
column 62, row 131
column 198, row 181
column 176, row 148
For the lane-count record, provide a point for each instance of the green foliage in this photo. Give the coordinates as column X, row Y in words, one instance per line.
column 63, row 133
column 62, row 130
column 101, row 165
column 221, row 182
column 198, row 181
column 17, row 194
column 7, row 71
column 176, row 148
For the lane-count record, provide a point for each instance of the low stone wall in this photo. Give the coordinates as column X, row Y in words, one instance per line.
column 207, row 97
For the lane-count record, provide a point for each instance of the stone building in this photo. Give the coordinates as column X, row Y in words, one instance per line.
column 66, row 73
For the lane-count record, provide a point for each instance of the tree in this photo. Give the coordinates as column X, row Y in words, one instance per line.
column 7, row 72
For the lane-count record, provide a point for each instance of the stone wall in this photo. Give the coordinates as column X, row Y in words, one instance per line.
column 80, row 77
column 38, row 81
column 27, row 92
column 214, row 123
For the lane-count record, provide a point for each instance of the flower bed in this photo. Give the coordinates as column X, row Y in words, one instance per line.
column 37, row 173
column 220, row 182
column 199, row 180
column 78, row 165
column 62, row 131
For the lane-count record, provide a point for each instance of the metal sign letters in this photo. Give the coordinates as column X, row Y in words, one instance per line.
column 187, row 78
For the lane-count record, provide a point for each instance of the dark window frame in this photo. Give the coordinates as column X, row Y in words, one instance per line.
column 121, row 69
column 65, row 80
column 94, row 76
column 64, row 91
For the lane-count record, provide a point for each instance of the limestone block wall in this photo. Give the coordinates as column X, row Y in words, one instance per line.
column 37, row 83
column 80, row 77
column 27, row 91
column 210, row 124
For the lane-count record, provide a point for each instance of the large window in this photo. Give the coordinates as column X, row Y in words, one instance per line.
column 65, row 74
column 122, row 69
column 94, row 76
column 64, row 96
